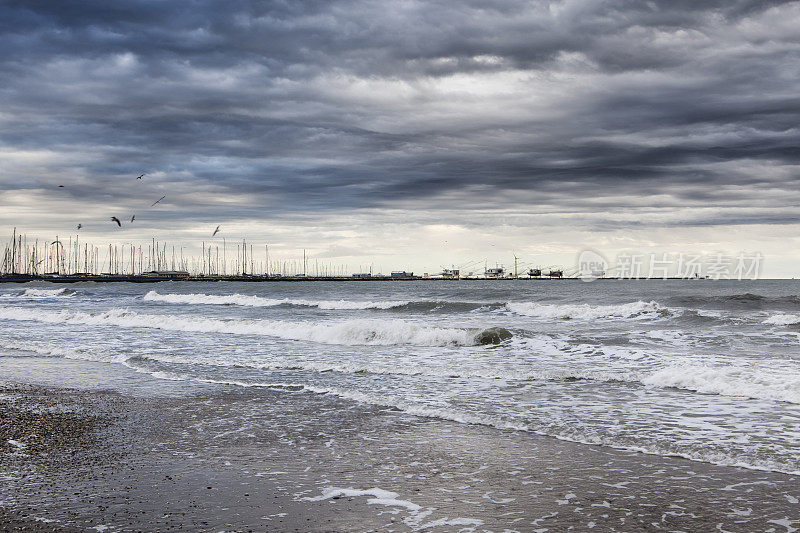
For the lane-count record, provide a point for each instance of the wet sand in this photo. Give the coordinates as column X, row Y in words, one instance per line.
column 233, row 459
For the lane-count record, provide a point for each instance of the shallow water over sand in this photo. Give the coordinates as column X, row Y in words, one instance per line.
column 213, row 457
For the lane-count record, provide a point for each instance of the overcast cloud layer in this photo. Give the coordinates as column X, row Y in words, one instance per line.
column 347, row 125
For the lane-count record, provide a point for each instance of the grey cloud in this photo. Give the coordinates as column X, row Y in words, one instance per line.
column 272, row 100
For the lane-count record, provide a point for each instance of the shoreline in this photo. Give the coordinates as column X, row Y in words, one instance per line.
column 294, row 460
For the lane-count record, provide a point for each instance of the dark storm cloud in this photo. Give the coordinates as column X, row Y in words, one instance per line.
column 335, row 105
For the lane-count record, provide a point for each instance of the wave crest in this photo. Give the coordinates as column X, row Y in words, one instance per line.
column 350, row 332
column 42, row 293
column 639, row 310
column 248, row 300
column 783, row 320
column 729, row 381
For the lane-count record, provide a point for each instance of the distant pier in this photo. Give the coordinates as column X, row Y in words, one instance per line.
column 156, row 278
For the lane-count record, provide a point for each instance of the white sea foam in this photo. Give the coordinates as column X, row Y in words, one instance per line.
column 783, row 320
column 350, row 332
column 54, row 350
column 450, row 372
column 405, row 369
column 36, row 347
column 671, row 336
column 730, row 381
column 248, row 300
column 42, row 293
column 378, row 496
column 416, row 514
column 640, row 310
column 48, row 293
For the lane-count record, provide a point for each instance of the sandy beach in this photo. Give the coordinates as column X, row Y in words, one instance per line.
column 209, row 459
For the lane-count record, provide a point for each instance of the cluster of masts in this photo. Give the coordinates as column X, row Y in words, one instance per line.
column 71, row 256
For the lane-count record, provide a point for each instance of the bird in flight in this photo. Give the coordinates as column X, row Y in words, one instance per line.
column 133, row 218
column 154, row 203
column 140, row 177
column 215, row 231
column 80, row 226
column 115, row 219
column 60, row 185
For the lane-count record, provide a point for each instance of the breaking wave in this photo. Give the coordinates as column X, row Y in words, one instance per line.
column 248, row 300
column 42, row 293
column 783, row 320
column 729, row 381
column 724, row 381
column 638, row 310
column 350, row 332
column 258, row 301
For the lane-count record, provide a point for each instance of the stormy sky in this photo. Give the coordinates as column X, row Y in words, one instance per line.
column 407, row 134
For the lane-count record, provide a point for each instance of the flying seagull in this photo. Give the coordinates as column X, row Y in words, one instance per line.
column 115, row 219
column 133, row 218
column 215, row 231
column 140, row 177
column 154, row 203
column 80, row 226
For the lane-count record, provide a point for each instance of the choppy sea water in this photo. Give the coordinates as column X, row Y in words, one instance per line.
column 707, row 370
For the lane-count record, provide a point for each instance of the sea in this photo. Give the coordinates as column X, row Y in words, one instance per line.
column 700, row 369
